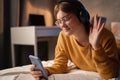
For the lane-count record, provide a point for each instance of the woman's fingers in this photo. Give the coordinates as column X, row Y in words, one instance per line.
column 32, row 67
column 35, row 74
column 99, row 23
column 90, row 30
column 37, row 78
column 102, row 26
column 95, row 21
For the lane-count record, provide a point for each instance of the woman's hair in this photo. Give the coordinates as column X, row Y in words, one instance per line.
column 75, row 7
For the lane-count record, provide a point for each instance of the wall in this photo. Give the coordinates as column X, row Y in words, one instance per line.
column 14, row 13
column 1, row 16
column 1, row 30
column 107, row 8
column 39, row 7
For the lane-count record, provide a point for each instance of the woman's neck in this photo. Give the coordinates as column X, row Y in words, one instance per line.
column 82, row 38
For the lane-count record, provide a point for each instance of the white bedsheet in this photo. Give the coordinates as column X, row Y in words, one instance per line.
column 23, row 73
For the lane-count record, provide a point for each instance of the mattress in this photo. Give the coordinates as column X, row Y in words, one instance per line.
column 23, row 73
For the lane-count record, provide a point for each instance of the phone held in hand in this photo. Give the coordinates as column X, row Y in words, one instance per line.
column 38, row 65
column 103, row 19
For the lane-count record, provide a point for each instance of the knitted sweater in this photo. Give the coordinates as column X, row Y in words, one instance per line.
column 104, row 61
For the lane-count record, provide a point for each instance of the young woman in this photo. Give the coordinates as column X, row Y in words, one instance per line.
column 89, row 47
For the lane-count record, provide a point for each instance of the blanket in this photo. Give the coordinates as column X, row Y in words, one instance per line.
column 23, row 73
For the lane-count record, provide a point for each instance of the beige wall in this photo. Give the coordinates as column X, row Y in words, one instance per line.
column 1, row 30
column 107, row 8
column 39, row 7
column 14, row 12
column 1, row 16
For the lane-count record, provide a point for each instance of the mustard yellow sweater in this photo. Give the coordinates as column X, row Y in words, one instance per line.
column 104, row 61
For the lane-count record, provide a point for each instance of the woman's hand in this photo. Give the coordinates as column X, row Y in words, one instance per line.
column 36, row 74
column 95, row 31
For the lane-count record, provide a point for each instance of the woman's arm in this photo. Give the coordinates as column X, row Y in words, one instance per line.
column 104, row 52
column 106, row 60
column 61, row 58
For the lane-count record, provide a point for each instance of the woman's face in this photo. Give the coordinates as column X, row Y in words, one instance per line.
column 68, row 22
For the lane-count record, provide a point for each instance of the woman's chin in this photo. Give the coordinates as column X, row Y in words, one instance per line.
column 67, row 33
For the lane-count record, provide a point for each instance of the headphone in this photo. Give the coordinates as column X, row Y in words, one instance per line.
column 82, row 14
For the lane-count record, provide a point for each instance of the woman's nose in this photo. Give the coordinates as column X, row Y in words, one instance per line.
column 63, row 24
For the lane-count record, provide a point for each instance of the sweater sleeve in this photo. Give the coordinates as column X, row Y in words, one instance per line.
column 106, row 59
column 61, row 59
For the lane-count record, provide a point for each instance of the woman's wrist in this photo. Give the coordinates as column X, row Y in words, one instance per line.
column 97, row 47
column 47, row 72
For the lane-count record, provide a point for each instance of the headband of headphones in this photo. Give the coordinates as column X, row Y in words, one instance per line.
column 76, row 2
column 79, row 6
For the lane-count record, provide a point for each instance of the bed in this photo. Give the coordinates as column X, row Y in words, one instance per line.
column 23, row 73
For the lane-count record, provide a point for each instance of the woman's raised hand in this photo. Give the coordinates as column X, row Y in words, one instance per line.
column 95, row 33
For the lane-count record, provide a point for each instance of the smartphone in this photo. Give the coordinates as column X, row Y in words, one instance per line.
column 103, row 19
column 38, row 65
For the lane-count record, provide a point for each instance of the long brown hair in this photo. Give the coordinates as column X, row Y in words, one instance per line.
column 75, row 7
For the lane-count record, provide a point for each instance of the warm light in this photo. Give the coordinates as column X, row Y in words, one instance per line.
column 115, row 28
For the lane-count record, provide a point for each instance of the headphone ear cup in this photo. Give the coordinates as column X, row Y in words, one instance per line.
column 87, row 16
column 84, row 16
